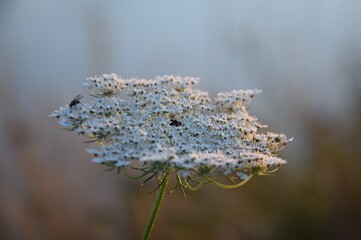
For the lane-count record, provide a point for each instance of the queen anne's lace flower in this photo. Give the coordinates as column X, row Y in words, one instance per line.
column 155, row 124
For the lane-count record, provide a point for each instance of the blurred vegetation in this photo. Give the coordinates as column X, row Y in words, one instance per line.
column 50, row 190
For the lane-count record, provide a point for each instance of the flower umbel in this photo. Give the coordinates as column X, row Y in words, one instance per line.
column 163, row 123
column 164, row 127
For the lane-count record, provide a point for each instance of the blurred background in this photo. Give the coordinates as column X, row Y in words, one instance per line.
column 305, row 55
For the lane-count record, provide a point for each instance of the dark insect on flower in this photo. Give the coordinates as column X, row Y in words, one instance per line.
column 174, row 122
column 75, row 101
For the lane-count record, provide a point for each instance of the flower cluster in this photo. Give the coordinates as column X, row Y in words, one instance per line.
column 163, row 123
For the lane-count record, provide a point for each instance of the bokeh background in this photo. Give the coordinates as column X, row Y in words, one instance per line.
column 305, row 55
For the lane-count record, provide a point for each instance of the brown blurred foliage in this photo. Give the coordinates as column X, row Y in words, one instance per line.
column 50, row 190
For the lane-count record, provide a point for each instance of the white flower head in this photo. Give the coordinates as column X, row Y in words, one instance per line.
column 105, row 85
column 164, row 123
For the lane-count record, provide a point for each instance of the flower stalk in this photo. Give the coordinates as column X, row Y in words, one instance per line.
column 156, row 205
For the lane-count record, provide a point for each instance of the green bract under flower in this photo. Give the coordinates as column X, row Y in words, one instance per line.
column 164, row 122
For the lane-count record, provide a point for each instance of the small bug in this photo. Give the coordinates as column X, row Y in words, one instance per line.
column 75, row 101
column 175, row 123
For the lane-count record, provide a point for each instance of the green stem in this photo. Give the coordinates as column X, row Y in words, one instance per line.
column 156, row 205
